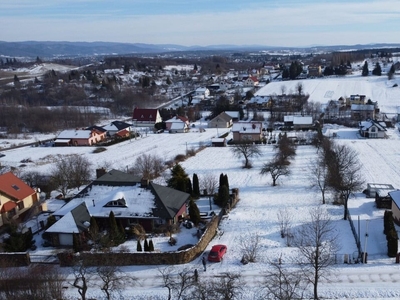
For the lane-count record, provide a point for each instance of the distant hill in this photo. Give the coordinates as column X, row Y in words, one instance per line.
column 32, row 49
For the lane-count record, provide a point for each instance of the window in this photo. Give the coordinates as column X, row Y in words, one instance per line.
column 15, row 187
column 21, row 205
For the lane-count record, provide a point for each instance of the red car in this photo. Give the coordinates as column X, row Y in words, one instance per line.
column 217, row 253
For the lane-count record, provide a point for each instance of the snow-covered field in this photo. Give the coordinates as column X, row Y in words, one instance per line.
column 256, row 213
column 376, row 88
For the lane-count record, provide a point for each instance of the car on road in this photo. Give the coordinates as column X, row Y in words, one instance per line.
column 217, row 253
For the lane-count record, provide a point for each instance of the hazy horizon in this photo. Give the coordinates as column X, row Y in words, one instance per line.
column 286, row 23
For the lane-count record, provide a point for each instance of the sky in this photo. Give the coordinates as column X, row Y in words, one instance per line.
column 203, row 22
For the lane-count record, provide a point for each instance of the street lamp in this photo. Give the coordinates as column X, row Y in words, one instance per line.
column 365, row 246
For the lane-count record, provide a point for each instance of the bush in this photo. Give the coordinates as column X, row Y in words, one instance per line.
column 99, row 149
column 180, row 158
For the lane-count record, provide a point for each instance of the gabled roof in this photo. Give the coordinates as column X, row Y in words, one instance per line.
column 117, row 125
column 247, row 127
column 223, row 117
column 169, row 201
column 116, row 177
column 74, row 134
column 74, row 221
column 14, row 187
column 366, row 125
column 96, row 128
column 145, row 114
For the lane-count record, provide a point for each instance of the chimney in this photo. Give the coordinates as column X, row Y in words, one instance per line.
column 100, row 172
column 144, row 183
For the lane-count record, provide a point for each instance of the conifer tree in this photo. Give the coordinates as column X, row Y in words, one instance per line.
column 179, row 178
column 365, row 70
column 194, row 212
column 139, row 246
column 146, row 245
column 151, row 245
column 196, row 186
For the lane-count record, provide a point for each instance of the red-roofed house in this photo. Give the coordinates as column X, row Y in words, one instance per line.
column 251, row 81
column 146, row 117
column 16, row 198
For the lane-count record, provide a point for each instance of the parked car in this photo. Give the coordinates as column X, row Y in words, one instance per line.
column 217, row 253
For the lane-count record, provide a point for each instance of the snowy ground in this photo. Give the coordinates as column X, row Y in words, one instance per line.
column 256, row 213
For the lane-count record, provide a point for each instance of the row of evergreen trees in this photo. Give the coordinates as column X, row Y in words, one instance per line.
column 148, row 246
column 391, row 234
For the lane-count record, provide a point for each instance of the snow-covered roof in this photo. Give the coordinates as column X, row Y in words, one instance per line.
column 247, row 127
column 66, row 224
column 299, row 120
column 368, row 107
column 138, row 201
column 74, row 134
column 233, row 114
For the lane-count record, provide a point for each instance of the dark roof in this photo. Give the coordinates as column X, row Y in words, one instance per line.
column 117, row 178
column 81, row 215
column 168, row 201
column 145, row 114
column 121, row 125
column 97, row 128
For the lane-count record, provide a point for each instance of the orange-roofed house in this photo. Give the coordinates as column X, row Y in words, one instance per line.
column 16, row 198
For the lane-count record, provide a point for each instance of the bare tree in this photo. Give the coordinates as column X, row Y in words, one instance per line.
column 250, row 247
column 282, row 282
column 247, row 149
column 318, row 243
column 285, row 225
column 113, row 280
column 71, row 172
column 209, row 183
column 228, row 287
column 276, row 168
column 344, row 172
column 83, row 275
column 178, row 285
column 318, row 175
column 148, row 166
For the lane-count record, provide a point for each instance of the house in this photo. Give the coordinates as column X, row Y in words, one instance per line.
column 251, row 81
column 298, row 122
column 395, row 196
column 235, row 115
column 77, row 221
column 372, row 129
column 100, row 130
column 362, row 111
column 177, row 124
column 16, row 198
column 314, row 71
column 79, row 137
column 223, row 120
column 131, row 199
column 218, row 142
column 202, row 92
column 118, row 128
column 146, row 117
column 247, row 131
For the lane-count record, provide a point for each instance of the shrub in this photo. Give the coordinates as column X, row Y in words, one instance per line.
column 180, row 158
column 99, row 149
column 137, row 231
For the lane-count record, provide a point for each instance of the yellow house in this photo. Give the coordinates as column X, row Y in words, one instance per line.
column 16, row 198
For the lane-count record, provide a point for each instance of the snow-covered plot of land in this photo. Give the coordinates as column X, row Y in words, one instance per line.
column 376, row 88
column 256, row 212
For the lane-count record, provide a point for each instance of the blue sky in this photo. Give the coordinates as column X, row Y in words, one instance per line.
column 203, row 22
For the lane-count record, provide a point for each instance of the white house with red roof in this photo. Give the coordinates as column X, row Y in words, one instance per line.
column 16, row 198
column 177, row 124
column 251, row 81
